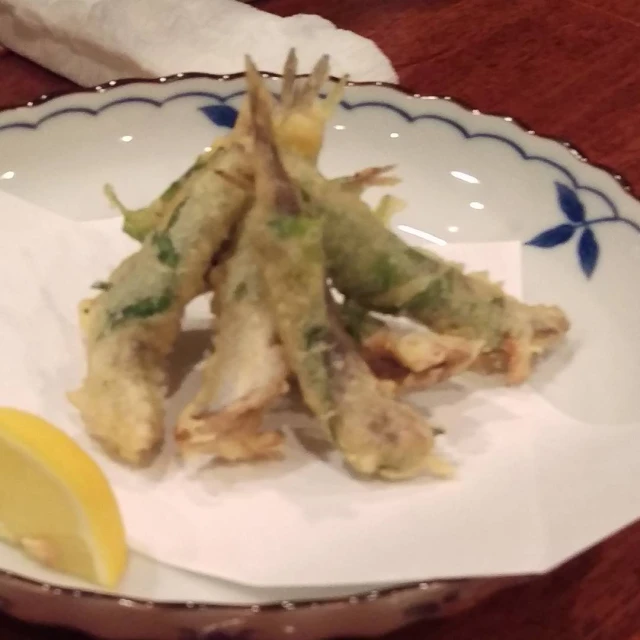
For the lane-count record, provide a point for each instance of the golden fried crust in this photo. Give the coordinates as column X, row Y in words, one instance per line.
column 517, row 354
column 418, row 359
column 235, row 433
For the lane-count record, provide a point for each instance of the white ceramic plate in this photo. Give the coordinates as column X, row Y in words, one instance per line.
column 466, row 176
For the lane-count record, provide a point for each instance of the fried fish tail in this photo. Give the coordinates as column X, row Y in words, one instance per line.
column 301, row 116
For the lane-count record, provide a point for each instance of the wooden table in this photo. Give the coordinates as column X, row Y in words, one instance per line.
column 569, row 69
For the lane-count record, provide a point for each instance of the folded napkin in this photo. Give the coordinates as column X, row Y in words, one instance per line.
column 93, row 41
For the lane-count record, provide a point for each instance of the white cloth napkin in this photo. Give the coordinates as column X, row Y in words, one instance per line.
column 93, row 41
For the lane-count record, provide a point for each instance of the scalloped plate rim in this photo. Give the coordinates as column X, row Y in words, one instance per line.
column 455, row 585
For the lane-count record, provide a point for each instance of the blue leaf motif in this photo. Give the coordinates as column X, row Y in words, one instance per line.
column 553, row 237
column 570, row 203
column 221, row 114
column 588, row 252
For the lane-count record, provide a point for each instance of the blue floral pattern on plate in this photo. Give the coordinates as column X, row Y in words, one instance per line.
column 588, row 248
column 223, row 115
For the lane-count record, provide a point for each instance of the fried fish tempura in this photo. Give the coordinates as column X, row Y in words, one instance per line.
column 374, row 267
column 377, row 435
column 245, row 373
column 256, row 222
column 131, row 327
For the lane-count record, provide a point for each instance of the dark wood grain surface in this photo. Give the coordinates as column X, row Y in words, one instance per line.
column 569, row 69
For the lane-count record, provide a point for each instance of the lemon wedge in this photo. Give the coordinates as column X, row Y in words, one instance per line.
column 56, row 503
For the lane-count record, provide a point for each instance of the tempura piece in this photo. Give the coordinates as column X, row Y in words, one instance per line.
column 376, row 434
column 254, row 221
column 374, row 267
column 413, row 358
column 132, row 325
column 418, row 360
column 139, row 223
column 245, row 373
column 299, row 117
